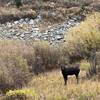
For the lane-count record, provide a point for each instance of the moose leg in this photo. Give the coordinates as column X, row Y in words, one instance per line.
column 77, row 78
column 65, row 79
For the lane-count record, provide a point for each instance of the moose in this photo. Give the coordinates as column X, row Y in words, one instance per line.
column 66, row 71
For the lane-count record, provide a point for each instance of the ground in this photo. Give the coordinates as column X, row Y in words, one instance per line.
column 50, row 86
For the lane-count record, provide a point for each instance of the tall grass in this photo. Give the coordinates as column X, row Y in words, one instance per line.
column 50, row 86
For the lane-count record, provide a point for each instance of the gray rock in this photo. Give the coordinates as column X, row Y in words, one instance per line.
column 0, row 28
column 16, row 22
column 22, row 35
column 15, row 37
column 31, row 36
column 53, row 34
column 9, row 25
column 35, row 33
column 59, row 37
column 36, row 29
column 31, row 22
column 18, row 34
column 21, row 20
column 27, row 19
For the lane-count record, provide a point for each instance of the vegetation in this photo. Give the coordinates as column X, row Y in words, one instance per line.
column 22, row 94
column 84, row 37
column 18, row 3
column 47, row 56
column 15, row 63
column 85, row 65
column 21, row 61
column 18, row 60
column 51, row 87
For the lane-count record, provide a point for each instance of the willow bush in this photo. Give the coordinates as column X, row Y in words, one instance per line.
column 46, row 55
column 20, row 60
column 15, row 64
column 83, row 38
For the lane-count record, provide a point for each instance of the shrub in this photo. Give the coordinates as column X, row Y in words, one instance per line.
column 16, row 60
column 84, row 38
column 18, row 3
column 47, row 56
column 22, row 94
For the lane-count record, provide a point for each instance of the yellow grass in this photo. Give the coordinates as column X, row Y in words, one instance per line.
column 50, row 86
column 84, row 65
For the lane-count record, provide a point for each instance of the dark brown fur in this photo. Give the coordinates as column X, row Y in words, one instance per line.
column 66, row 71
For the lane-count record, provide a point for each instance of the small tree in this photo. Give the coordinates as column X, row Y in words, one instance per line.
column 18, row 3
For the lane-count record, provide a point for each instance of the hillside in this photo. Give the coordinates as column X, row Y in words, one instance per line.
column 46, row 43
column 43, row 20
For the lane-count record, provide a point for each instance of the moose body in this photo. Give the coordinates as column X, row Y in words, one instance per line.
column 66, row 71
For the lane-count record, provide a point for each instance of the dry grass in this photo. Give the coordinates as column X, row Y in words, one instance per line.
column 84, row 65
column 50, row 86
column 17, row 57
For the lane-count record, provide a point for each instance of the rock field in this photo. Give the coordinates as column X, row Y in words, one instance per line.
column 27, row 29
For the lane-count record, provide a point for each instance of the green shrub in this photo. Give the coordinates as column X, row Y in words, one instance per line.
column 18, row 3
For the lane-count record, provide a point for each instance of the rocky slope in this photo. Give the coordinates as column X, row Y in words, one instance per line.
column 51, row 22
column 26, row 29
